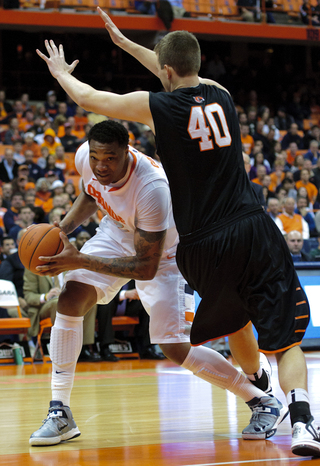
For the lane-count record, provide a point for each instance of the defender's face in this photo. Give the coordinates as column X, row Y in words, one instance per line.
column 109, row 162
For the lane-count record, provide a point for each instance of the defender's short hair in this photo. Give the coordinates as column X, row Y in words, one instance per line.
column 181, row 51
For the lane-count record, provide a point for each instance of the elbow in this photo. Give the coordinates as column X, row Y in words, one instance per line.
column 149, row 274
column 152, row 275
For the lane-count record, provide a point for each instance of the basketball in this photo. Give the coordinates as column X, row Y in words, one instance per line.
column 39, row 240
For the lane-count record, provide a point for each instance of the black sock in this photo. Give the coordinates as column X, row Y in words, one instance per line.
column 299, row 412
column 261, row 383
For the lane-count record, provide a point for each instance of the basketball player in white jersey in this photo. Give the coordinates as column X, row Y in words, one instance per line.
column 137, row 240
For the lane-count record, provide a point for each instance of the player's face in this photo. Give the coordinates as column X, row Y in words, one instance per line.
column 109, row 162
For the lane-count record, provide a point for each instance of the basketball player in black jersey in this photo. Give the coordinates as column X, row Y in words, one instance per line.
column 230, row 251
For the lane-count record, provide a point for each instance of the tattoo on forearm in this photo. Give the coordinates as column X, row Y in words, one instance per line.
column 149, row 246
column 68, row 227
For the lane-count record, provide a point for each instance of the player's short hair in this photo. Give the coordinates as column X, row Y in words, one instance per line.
column 109, row 131
column 181, row 51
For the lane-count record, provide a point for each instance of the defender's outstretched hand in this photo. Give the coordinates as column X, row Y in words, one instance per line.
column 145, row 56
column 56, row 61
column 116, row 36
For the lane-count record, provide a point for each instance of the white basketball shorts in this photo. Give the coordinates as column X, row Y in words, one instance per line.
column 167, row 298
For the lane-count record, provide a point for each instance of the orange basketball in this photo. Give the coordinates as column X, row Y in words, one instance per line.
column 39, row 240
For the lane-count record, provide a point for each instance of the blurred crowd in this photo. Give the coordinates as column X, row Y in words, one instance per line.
column 39, row 183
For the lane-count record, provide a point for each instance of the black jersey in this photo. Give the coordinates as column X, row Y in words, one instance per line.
column 198, row 141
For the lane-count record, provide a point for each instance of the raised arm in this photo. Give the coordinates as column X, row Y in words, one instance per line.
column 145, row 56
column 133, row 106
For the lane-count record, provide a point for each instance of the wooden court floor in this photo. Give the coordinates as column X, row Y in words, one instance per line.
column 141, row 413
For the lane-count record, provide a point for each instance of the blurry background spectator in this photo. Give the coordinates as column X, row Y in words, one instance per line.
column 295, row 244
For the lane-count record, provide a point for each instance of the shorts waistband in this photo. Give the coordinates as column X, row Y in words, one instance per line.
column 219, row 225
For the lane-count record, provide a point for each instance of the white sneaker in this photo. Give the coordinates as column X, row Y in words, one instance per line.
column 306, row 439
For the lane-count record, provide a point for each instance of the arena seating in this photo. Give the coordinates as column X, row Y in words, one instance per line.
column 213, row 8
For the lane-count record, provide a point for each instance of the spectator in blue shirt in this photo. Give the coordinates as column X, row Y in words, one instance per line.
column 313, row 153
column 295, row 244
column 302, row 209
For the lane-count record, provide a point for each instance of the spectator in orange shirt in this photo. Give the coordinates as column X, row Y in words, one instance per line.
column 310, row 187
column 266, row 182
column 80, row 120
column 60, row 119
column 61, row 162
column 278, row 175
column 5, row 106
column 30, row 144
column 292, row 153
column 27, row 121
column 246, row 139
column 18, row 111
column 50, row 141
column 3, row 210
column 261, row 173
column 292, row 221
column 43, row 192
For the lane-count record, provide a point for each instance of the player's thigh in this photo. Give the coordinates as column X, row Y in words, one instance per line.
column 106, row 286
column 170, row 303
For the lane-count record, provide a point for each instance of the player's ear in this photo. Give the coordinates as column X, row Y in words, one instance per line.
column 168, row 71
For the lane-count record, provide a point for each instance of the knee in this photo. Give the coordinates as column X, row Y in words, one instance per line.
column 176, row 352
column 76, row 298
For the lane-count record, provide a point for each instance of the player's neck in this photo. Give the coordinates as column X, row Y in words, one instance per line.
column 187, row 81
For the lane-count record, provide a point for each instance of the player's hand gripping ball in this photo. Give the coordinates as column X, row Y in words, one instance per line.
column 39, row 240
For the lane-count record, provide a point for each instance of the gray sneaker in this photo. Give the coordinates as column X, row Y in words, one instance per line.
column 267, row 413
column 58, row 426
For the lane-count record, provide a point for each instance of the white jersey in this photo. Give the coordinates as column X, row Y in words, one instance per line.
column 142, row 201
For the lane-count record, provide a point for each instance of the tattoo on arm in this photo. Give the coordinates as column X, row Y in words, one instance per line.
column 142, row 266
column 69, row 227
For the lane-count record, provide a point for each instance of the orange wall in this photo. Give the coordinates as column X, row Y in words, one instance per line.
column 56, row 19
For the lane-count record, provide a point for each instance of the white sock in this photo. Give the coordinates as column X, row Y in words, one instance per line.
column 298, row 394
column 65, row 347
column 215, row 369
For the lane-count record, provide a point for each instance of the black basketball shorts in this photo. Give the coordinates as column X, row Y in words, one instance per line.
column 243, row 272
